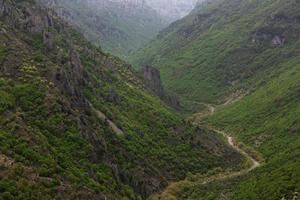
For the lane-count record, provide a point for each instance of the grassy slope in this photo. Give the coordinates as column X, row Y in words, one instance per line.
column 208, row 53
column 117, row 33
column 268, row 121
column 52, row 144
column 204, row 60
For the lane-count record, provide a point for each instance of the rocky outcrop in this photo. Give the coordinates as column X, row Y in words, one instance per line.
column 32, row 20
column 113, row 96
column 153, row 82
column 72, row 78
column 2, row 7
column 285, row 17
column 173, row 101
column 278, row 40
column 145, row 187
column 48, row 40
column 273, row 36
column 49, row 3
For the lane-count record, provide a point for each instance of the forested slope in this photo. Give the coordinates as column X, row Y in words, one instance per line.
column 76, row 123
column 222, row 45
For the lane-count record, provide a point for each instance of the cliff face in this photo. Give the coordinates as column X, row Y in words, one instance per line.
column 153, row 82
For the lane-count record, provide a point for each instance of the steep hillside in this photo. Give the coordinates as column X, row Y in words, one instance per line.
column 268, row 121
column 243, row 57
column 221, row 45
column 76, row 123
column 119, row 27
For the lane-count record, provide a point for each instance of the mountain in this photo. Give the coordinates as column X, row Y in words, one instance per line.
column 172, row 10
column 240, row 58
column 119, row 27
column 220, row 46
column 267, row 120
column 78, row 123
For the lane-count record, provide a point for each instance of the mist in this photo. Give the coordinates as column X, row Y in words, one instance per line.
column 170, row 10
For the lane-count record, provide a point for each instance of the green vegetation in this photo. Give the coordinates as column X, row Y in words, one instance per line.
column 221, row 45
column 117, row 28
column 226, row 50
column 267, row 120
column 53, row 145
column 2, row 53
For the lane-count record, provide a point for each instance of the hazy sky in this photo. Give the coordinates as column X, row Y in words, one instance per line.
column 172, row 8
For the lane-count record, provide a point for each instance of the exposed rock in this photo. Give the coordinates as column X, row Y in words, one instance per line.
column 2, row 7
column 147, row 186
column 186, row 31
column 49, row 3
column 72, row 77
column 153, row 82
column 197, row 137
column 266, row 34
column 285, row 17
column 113, row 96
column 278, row 40
column 261, row 35
column 35, row 22
column 31, row 19
column 173, row 101
column 48, row 40
column 6, row 161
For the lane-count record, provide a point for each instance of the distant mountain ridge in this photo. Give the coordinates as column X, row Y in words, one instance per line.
column 121, row 26
column 212, row 51
column 172, row 10
column 118, row 26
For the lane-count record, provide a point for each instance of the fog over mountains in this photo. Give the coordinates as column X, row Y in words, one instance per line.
column 121, row 26
column 170, row 10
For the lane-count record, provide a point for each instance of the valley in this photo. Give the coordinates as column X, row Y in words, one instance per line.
column 254, row 161
column 158, row 100
column 226, row 53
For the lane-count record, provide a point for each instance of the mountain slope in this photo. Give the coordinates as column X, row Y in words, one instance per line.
column 118, row 26
column 222, row 44
column 268, row 121
column 77, row 123
column 242, row 56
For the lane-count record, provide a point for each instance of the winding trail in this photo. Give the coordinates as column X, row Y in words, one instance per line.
column 254, row 162
column 231, row 141
column 171, row 192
